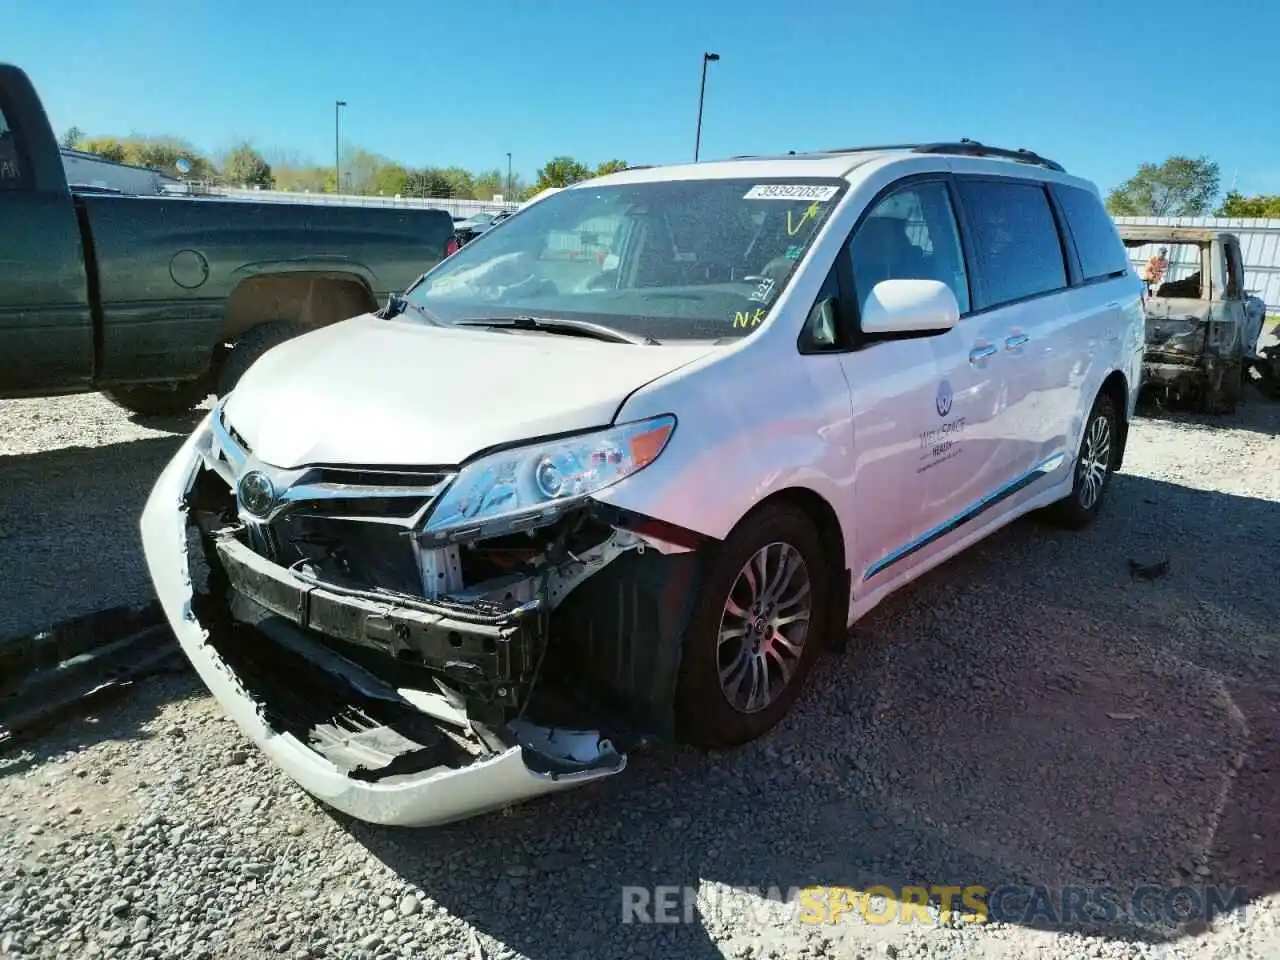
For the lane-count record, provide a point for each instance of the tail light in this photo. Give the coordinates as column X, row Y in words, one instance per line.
column 451, row 246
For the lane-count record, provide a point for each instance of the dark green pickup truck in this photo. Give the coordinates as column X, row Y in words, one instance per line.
column 159, row 301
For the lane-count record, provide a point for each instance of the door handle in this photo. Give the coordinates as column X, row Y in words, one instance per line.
column 978, row 354
column 1017, row 340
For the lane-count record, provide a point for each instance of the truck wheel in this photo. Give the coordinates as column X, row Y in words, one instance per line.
column 252, row 345
column 1222, row 397
column 160, row 399
column 1091, row 474
column 757, row 630
column 1269, row 370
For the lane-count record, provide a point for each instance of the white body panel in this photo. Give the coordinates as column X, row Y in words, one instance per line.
column 920, row 445
column 369, row 391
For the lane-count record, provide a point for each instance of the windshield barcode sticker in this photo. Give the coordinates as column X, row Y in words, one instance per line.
column 790, row 191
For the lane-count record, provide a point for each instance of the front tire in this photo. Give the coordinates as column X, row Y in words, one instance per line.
column 1094, row 465
column 253, row 343
column 758, row 628
column 159, row 399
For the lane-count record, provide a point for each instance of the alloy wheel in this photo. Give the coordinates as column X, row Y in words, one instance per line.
column 763, row 627
column 1095, row 461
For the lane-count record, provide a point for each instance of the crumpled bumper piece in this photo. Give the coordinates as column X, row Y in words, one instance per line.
column 428, row 798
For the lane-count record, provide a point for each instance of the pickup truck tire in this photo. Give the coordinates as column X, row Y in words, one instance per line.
column 1223, row 396
column 1093, row 467
column 1268, row 367
column 767, row 559
column 253, row 343
column 160, row 399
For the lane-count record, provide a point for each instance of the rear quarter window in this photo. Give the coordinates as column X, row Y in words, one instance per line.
column 1094, row 233
column 1015, row 240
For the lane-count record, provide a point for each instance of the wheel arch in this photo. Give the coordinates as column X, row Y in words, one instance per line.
column 1116, row 386
column 309, row 298
column 826, row 523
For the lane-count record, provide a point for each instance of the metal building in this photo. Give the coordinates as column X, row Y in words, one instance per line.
column 1259, row 245
column 91, row 170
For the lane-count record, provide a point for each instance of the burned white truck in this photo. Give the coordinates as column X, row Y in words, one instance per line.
column 1202, row 325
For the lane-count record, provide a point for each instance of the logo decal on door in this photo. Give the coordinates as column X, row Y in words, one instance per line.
column 943, row 400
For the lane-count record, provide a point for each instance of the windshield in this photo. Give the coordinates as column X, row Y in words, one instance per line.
column 673, row 260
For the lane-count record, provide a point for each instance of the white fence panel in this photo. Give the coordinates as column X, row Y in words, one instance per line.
column 456, row 207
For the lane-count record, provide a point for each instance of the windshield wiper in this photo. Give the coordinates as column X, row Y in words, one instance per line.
column 560, row 325
column 398, row 304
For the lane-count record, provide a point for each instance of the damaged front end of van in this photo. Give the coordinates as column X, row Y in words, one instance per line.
column 401, row 645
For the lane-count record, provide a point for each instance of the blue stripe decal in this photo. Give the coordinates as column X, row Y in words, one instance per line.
column 1041, row 469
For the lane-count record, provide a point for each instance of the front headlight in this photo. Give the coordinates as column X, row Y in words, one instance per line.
column 526, row 486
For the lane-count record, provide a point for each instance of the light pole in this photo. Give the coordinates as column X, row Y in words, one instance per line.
column 337, row 155
column 702, row 93
column 510, row 186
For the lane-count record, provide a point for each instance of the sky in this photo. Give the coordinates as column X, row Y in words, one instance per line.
column 1098, row 85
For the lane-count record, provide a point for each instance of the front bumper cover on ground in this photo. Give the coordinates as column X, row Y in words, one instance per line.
column 425, row 798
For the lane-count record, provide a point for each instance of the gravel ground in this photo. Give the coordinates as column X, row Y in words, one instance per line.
column 1032, row 713
column 74, row 474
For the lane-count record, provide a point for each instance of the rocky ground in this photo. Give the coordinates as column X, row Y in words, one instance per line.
column 1033, row 713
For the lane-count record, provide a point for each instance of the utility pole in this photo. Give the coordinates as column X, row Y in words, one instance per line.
column 702, row 93
column 510, row 183
column 337, row 150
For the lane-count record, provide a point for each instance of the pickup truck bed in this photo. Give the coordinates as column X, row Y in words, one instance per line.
column 161, row 300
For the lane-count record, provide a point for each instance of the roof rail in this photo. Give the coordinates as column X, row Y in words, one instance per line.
column 972, row 148
column 963, row 147
column 873, row 149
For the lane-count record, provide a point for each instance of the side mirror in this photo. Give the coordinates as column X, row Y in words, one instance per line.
column 909, row 306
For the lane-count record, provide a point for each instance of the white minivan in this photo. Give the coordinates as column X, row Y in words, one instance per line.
column 618, row 471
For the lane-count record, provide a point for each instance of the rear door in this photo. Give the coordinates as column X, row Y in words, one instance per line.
column 1101, row 310
column 1023, row 314
column 46, row 328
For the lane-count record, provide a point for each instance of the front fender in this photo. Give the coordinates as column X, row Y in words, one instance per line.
column 743, row 433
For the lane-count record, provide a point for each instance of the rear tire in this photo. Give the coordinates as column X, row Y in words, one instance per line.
column 1223, row 396
column 755, row 620
column 1093, row 467
column 160, row 399
column 1268, row 368
column 253, row 344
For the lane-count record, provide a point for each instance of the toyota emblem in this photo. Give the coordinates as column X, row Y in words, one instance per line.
column 257, row 493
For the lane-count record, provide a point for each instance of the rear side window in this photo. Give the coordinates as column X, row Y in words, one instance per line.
column 1097, row 242
column 1015, row 240
column 12, row 176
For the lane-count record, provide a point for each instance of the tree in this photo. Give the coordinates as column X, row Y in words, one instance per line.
column 611, row 166
column 1179, row 187
column 389, row 180
column 301, row 178
column 1237, row 204
column 156, row 153
column 360, row 168
column 489, row 183
column 108, row 148
column 246, row 166
column 560, row 172
column 427, row 182
column 69, row 139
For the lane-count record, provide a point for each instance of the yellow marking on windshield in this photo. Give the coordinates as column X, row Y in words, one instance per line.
column 810, row 212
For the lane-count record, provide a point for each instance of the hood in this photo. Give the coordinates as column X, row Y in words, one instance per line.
column 368, row 391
